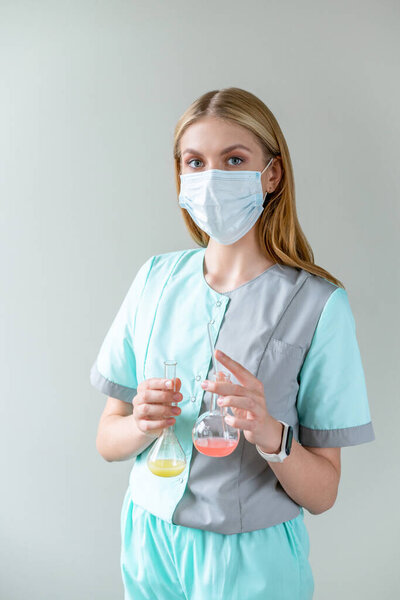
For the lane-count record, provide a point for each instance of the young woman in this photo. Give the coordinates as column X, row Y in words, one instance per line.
column 231, row 527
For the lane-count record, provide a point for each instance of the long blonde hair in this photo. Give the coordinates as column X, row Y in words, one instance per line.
column 278, row 228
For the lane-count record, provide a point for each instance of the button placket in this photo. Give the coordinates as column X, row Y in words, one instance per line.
column 217, row 318
column 216, row 321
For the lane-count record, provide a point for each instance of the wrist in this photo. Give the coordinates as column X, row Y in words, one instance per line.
column 273, row 438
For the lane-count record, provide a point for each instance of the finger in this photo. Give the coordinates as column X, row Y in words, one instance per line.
column 148, row 426
column 244, row 424
column 242, row 374
column 156, row 411
column 160, row 383
column 149, row 396
column 242, row 414
column 224, row 388
column 246, row 403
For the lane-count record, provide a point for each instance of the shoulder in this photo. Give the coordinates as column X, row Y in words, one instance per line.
column 336, row 312
column 319, row 302
column 337, row 315
column 335, row 302
column 334, row 319
column 320, row 286
column 159, row 265
column 313, row 290
column 173, row 256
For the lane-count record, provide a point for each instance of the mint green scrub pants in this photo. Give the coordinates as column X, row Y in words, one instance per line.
column 164, row 561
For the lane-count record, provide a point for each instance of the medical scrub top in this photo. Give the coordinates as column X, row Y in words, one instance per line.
column 293, row 330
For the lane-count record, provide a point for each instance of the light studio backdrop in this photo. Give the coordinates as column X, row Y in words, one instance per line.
column 90, row 93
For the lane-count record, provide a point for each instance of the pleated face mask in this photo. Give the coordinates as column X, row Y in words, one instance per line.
column 224, row 204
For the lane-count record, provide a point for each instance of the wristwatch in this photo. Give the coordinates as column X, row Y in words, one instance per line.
column 286, row 444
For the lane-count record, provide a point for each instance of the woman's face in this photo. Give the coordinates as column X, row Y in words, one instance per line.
column 213, row 143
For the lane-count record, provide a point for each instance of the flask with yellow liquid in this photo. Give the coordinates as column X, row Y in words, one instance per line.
column 167, row 458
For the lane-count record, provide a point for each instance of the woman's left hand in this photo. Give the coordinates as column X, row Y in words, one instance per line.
column 248, row 404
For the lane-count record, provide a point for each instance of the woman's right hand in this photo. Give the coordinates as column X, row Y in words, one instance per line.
column 152, row 408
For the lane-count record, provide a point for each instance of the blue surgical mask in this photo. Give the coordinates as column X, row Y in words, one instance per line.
column 224, row 204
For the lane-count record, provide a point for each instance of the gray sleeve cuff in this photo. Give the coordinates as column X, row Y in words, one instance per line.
column 336, row 438
column 115, row 390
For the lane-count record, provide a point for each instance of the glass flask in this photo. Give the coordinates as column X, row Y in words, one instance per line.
column 167, row 458
column 211, row 434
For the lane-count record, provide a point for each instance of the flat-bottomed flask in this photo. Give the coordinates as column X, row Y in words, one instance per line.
column 167, row 458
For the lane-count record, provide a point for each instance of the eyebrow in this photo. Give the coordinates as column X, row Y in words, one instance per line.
column 191, row 151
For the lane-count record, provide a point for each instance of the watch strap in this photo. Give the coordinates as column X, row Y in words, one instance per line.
column 280, row 457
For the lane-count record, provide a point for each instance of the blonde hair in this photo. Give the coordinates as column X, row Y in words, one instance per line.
column 278, row 228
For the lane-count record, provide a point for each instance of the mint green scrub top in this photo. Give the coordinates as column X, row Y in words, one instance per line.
column 293, row 330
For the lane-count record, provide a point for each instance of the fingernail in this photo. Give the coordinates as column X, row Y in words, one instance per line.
column 220, row 401
column 168, row 384
column 204, row 384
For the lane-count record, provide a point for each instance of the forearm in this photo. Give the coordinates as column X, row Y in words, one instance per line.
column 310, row 480
column 119, row 438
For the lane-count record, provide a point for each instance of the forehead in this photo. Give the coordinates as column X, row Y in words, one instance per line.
column 211, row 134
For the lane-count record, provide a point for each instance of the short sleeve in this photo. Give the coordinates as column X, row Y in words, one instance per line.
column 332, row 402
column 114, row 371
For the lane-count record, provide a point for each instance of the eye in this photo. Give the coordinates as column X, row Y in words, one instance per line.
column 191, row 160
column 238, row 158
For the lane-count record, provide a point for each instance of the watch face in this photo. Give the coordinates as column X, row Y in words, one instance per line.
column 289, row 439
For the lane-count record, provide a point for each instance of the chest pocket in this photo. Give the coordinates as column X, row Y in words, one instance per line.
column 278, row 370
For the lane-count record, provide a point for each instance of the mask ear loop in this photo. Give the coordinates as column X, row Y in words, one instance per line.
column 266, row 193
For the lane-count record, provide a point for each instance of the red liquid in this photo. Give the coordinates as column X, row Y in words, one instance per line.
column 216, row 446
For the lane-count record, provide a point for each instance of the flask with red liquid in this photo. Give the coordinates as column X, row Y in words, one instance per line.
column 211, row 434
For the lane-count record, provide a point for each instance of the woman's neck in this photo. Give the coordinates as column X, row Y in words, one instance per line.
column 228, row 267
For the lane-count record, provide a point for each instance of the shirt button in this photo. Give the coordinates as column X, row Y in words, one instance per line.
column 193, row 398
column 198, row 377
column 212, row 321
column 180, row 480
column 218, row 303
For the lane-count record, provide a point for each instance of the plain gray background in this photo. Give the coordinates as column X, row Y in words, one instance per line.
column 90, row 94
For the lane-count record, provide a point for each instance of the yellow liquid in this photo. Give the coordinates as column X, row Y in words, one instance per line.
column 166, row 467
